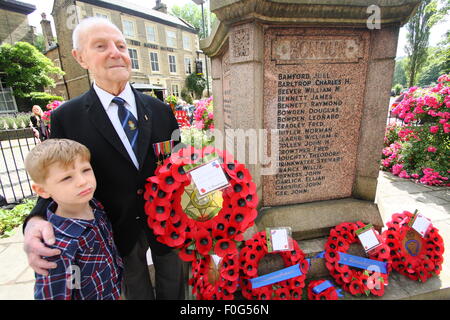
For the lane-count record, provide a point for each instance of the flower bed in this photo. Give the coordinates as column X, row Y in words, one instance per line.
column 420, row 148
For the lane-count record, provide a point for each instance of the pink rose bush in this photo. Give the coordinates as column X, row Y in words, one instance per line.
column 203, row 114
column 420, row 149
column 50, row 107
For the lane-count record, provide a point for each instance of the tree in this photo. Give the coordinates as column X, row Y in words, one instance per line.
column 418, row 27
column 399, row 72
column 27, row 70
column 192, row 13
column 196, row 84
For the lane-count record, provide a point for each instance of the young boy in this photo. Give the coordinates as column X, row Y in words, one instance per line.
column 89, row 266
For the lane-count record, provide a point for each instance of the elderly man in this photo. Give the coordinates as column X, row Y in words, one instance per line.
column 122, row 159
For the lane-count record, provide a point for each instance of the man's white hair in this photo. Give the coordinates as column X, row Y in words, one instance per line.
column 86, row 24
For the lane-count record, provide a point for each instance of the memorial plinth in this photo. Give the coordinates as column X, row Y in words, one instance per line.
column 318, row 75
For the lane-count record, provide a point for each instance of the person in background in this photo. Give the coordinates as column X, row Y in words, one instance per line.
column 39, row 128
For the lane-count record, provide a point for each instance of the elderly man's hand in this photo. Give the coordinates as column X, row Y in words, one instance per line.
column 36, row 231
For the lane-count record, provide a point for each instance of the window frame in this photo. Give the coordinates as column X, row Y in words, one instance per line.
column 157, row 61
column 174, row 64
column 131, row 58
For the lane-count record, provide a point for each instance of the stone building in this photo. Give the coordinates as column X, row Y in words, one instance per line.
column 14, row 25
column 163, row 48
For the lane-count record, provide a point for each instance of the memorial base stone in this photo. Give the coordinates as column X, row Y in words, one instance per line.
column 312, row 220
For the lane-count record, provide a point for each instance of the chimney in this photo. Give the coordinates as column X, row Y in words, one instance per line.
column 161, row 7
column 46, row 31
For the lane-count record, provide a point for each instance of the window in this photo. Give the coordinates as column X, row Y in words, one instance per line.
column 175, row 91
column 128, row 28
column 101, row 15
column 172, row 64
column 154, row 61
column 134, row 58
column 188, row 65
column 171, row 38
column 186, row 42
column 151, row 33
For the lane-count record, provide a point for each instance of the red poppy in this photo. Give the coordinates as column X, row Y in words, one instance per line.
column 224, row 247
column 186, row 253
column 173, row 237
column 178, row 173
column 282, row 294
column 264, row 293
column 356, row 287
column 332, row 256
column 203, row 241
column 159, row 227
column 160, row 209
column 167, row 182
column 296, row 293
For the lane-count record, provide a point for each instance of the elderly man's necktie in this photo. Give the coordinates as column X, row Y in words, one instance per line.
column 128, row 121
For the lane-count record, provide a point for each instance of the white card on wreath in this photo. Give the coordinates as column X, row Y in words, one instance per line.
column 368, row 239
column 209, row 177
column 421, row 225
column 280, row 239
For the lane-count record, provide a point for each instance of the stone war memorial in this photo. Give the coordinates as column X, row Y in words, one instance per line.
column 317, row 74
column 312, row 79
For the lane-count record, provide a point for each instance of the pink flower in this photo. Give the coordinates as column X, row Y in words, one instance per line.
column 431, row 149
column 432, row 102
column 199, row 124
column 434, row 129
column 446, row 127
column 396, row 169
column 415, row 176
column 444, row 77
column 386, row 163
column 210, row 115
column 404, row 174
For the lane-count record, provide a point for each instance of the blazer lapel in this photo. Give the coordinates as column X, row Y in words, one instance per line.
column 144, row 126
column 101, row 121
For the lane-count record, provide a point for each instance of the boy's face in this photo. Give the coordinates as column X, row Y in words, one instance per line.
column 68, row 186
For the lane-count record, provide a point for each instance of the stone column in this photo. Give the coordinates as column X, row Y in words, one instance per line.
column 318, row 73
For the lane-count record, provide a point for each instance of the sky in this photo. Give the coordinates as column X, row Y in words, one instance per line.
column 46, row 6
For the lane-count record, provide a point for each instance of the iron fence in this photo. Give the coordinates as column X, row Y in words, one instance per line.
column 15, row 184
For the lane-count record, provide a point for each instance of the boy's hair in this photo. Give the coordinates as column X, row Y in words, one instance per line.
column 51, row 151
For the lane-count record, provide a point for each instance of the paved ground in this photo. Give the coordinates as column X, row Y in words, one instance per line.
column 394, row 195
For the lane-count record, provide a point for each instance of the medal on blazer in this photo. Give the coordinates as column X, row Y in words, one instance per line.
column 163, row 150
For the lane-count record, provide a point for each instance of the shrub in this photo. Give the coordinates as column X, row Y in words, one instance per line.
column 420, row 149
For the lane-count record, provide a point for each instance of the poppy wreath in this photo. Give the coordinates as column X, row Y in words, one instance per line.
column 360, row 281
column 222, row 286
column 250, row 255
column 418, row 262
column 327, row 294
column 213, row 234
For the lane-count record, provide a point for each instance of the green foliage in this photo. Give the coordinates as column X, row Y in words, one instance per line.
column 418, row 27
column 186, row 96
column 171, row 99
column 17, row 120
column 43, row 98
column 10, row 219
column 399, row 72
column 196, row 84
column 196, row 137
column 27, row 70
column 397, row 89
column 192, row 13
